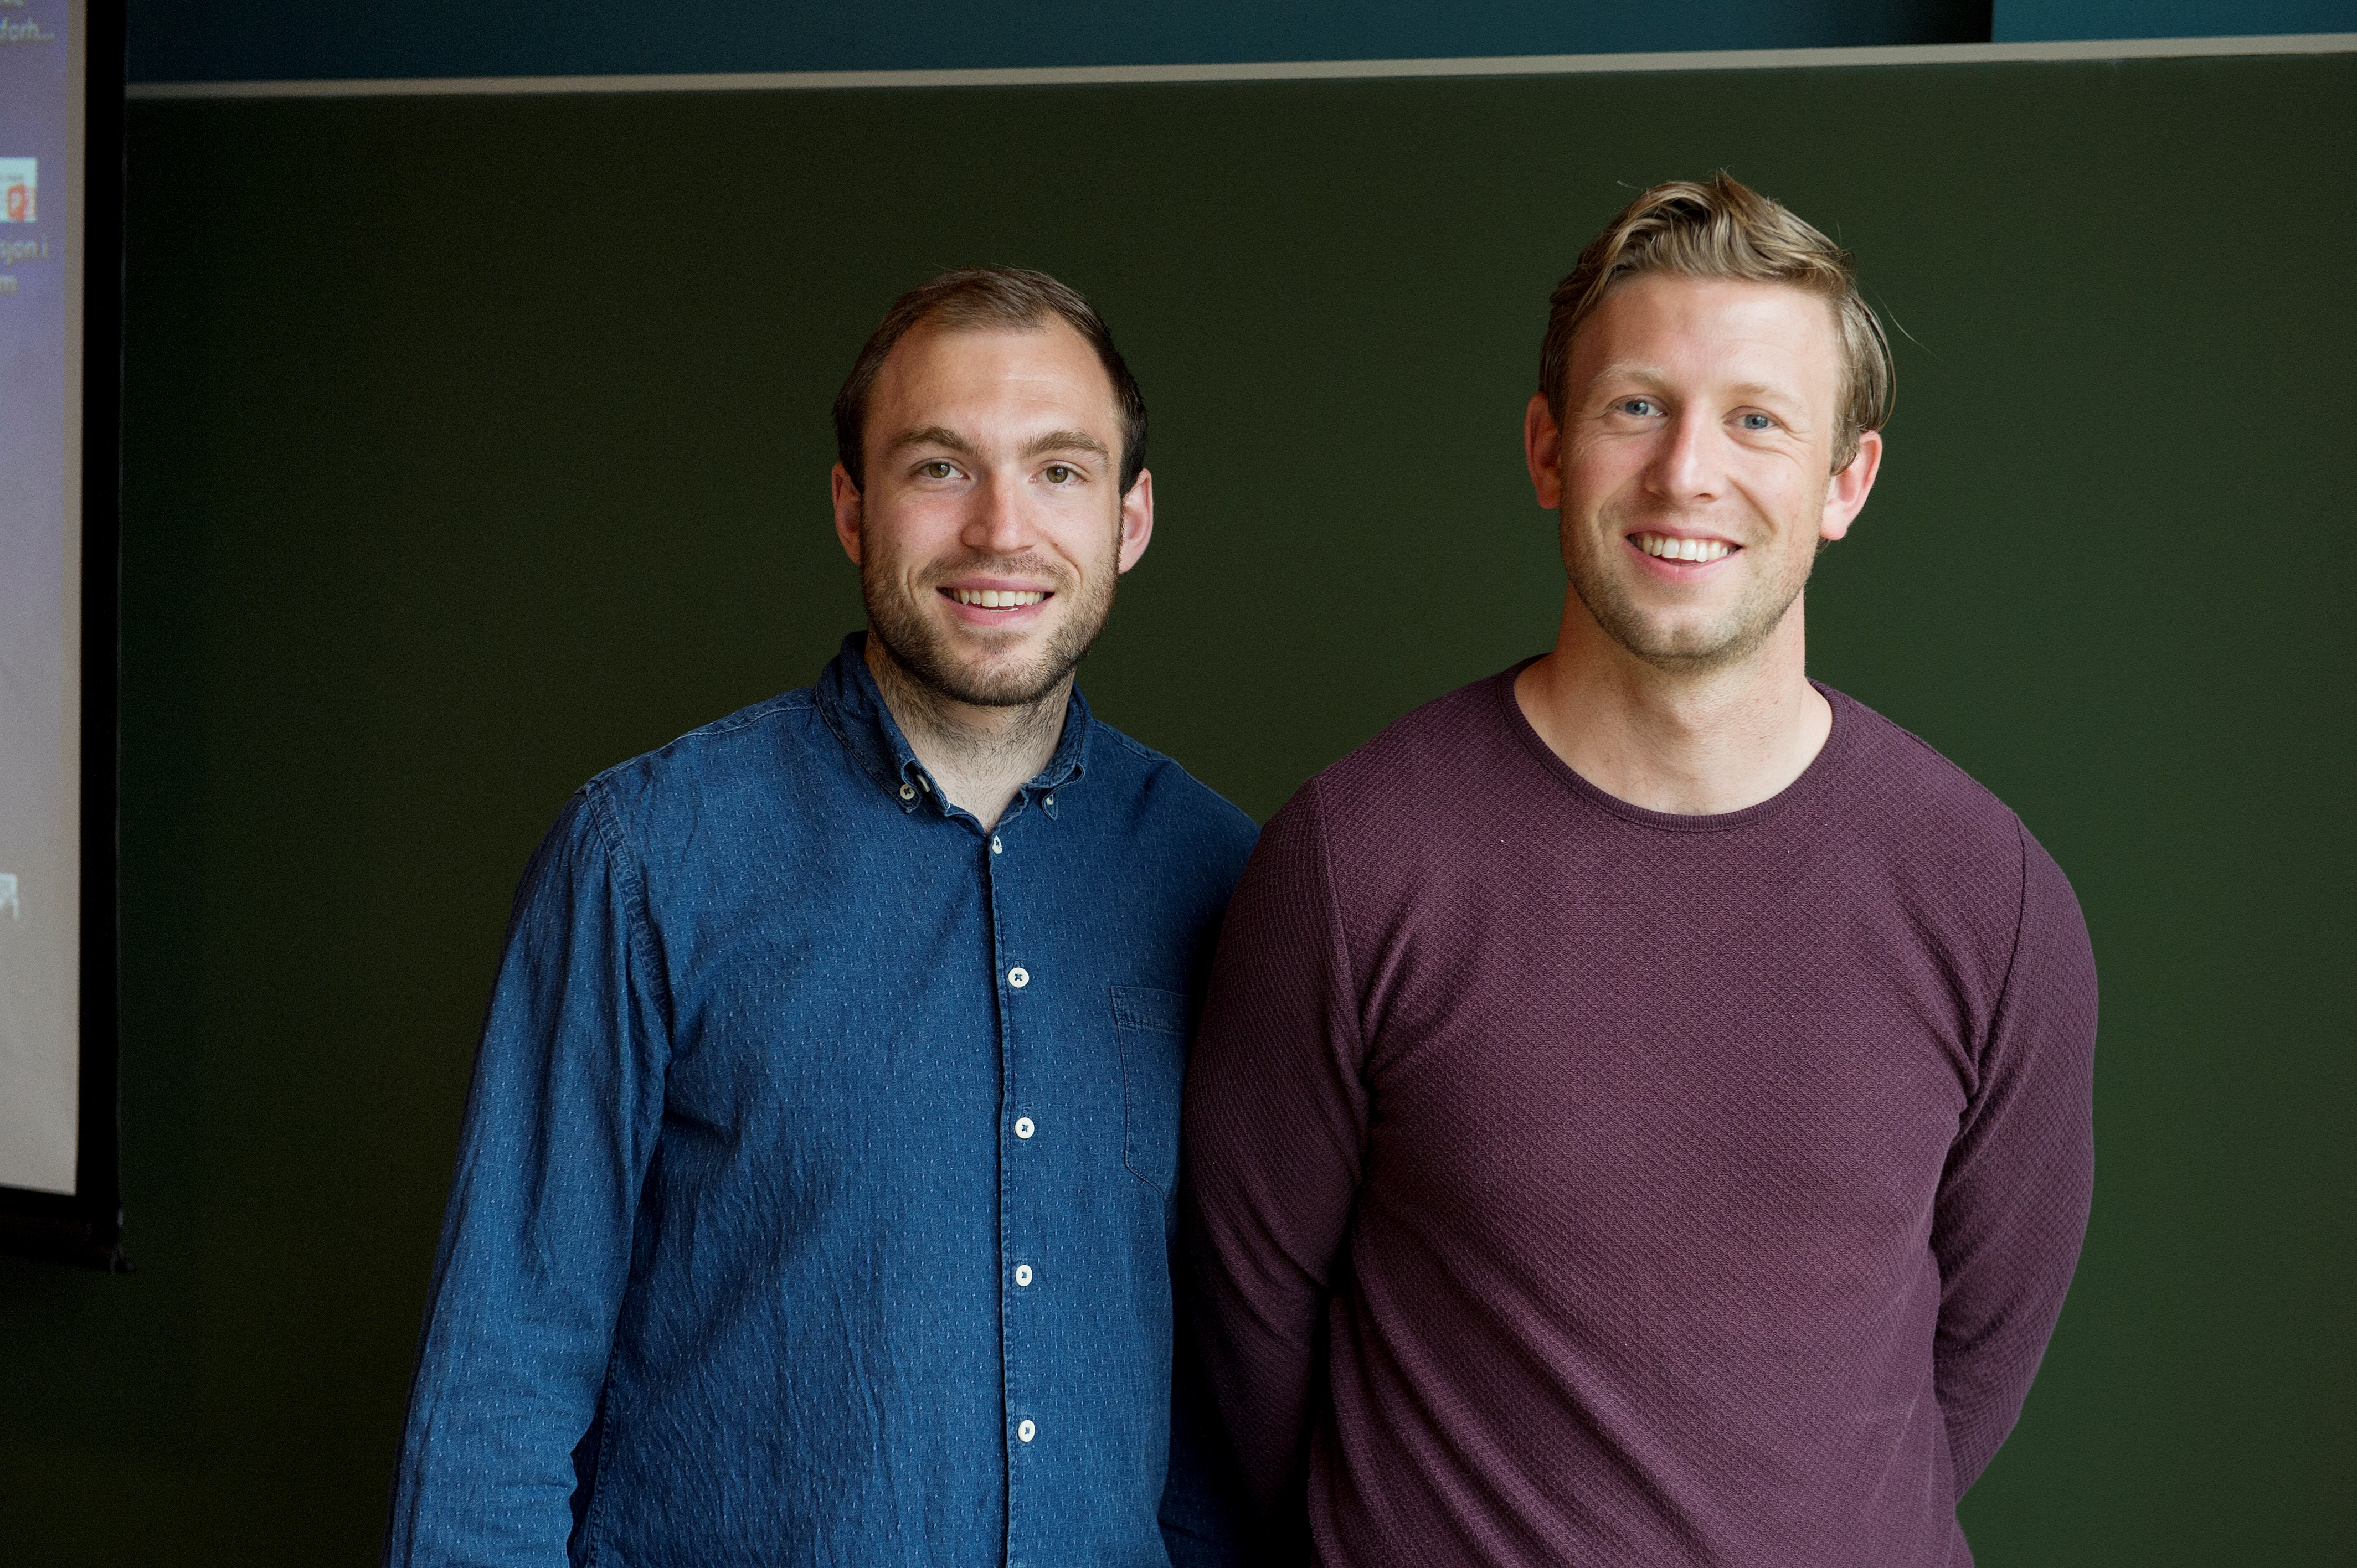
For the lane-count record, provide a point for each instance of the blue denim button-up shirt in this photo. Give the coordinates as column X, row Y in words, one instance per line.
column 813, row 1204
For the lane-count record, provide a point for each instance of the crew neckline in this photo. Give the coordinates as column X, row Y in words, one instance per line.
column 1804, row 787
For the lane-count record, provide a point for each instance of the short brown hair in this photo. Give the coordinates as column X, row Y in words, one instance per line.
column 1721, row 228
column 1008, row 299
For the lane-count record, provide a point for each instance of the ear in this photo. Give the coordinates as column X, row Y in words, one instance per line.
column 1137, row 519
column 1847, row 491
column 1543, row 451
column 848, row 510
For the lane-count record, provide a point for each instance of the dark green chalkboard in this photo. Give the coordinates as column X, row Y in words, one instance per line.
column 478, row 444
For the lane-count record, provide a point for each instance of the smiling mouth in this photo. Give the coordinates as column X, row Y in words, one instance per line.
column 996, row 598
column 1663, row 547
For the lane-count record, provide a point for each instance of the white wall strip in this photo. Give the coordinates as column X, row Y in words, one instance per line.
column 1275, row 71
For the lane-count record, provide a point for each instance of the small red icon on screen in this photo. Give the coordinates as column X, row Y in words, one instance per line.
column 17, row 179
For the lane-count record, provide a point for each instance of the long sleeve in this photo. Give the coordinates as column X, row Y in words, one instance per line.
column 2014, row 1198
column 1276, row 1134
column 1201, row 1497
column 563, row 1115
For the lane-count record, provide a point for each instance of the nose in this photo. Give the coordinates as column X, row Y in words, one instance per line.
column 999, row 524
column 1690, row 464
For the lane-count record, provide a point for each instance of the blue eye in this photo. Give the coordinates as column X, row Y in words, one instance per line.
column 1758, row 422
column 1639, row 407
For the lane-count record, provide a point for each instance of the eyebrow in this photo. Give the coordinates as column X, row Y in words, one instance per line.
column 942, row 435
column 1653, row 375
column 1629, row 371
column 933, row 435
column 1066, row 441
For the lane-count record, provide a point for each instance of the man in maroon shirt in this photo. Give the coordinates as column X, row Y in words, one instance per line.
column 1642, row 1114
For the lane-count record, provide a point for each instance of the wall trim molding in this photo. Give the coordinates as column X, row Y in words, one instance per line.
column 1270, row 71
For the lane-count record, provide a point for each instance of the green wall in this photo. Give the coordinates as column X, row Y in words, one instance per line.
column 476, row 444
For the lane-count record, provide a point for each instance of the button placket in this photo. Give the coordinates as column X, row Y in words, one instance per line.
column 1022, row 1346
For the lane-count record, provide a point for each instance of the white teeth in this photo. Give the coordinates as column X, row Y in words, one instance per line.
column 1669, row 549
column 997, row 598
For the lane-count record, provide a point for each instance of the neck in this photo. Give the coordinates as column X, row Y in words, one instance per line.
column 978, row 756
column 1695, row 742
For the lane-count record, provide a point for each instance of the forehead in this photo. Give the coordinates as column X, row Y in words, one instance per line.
column 941, row 375
column 1713, row 328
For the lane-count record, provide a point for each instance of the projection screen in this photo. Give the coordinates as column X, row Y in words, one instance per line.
column 60, row 117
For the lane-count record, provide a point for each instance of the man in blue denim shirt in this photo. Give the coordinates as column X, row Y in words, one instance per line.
column 813, row 1202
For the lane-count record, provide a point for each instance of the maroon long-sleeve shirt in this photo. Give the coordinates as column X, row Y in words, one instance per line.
column 1571, row 1182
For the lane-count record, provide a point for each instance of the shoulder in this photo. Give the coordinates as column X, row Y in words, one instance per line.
column 1425, row 758
column 1406, row 822
column 1907, row 760
column 1973, row 877
column 747, row 758
column 1165, row 803
column 1941, row 832
column 1895, row 781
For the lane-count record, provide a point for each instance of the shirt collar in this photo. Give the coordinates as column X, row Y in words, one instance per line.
column 854, row 710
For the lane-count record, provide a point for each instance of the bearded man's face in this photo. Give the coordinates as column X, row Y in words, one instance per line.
column 992, row 526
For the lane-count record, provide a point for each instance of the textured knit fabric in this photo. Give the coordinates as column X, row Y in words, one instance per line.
column 813, row 1204
column 1572, row 1183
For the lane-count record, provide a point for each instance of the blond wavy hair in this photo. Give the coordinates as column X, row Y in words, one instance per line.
column 1721, row 228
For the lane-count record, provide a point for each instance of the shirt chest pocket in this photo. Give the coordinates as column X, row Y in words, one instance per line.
column 1153, row 1027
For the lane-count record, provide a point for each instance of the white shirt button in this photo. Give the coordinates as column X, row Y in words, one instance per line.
column 1022, row 1274
column 1023, row 1126
column 995, row 847
column 1018, row 977
column 1027, row 1432
column 1050, row 800
column 907, row 792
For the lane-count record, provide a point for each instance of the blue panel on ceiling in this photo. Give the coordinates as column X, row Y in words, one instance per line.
column 2026, row 21
column 233, row 40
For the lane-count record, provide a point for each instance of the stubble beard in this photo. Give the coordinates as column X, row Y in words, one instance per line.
column 923, row 648
column 1679, row 645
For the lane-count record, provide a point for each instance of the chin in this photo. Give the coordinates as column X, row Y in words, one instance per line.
column 985, row 669
column 1683, row 635
column 1690, row 647
column 1002, row 684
